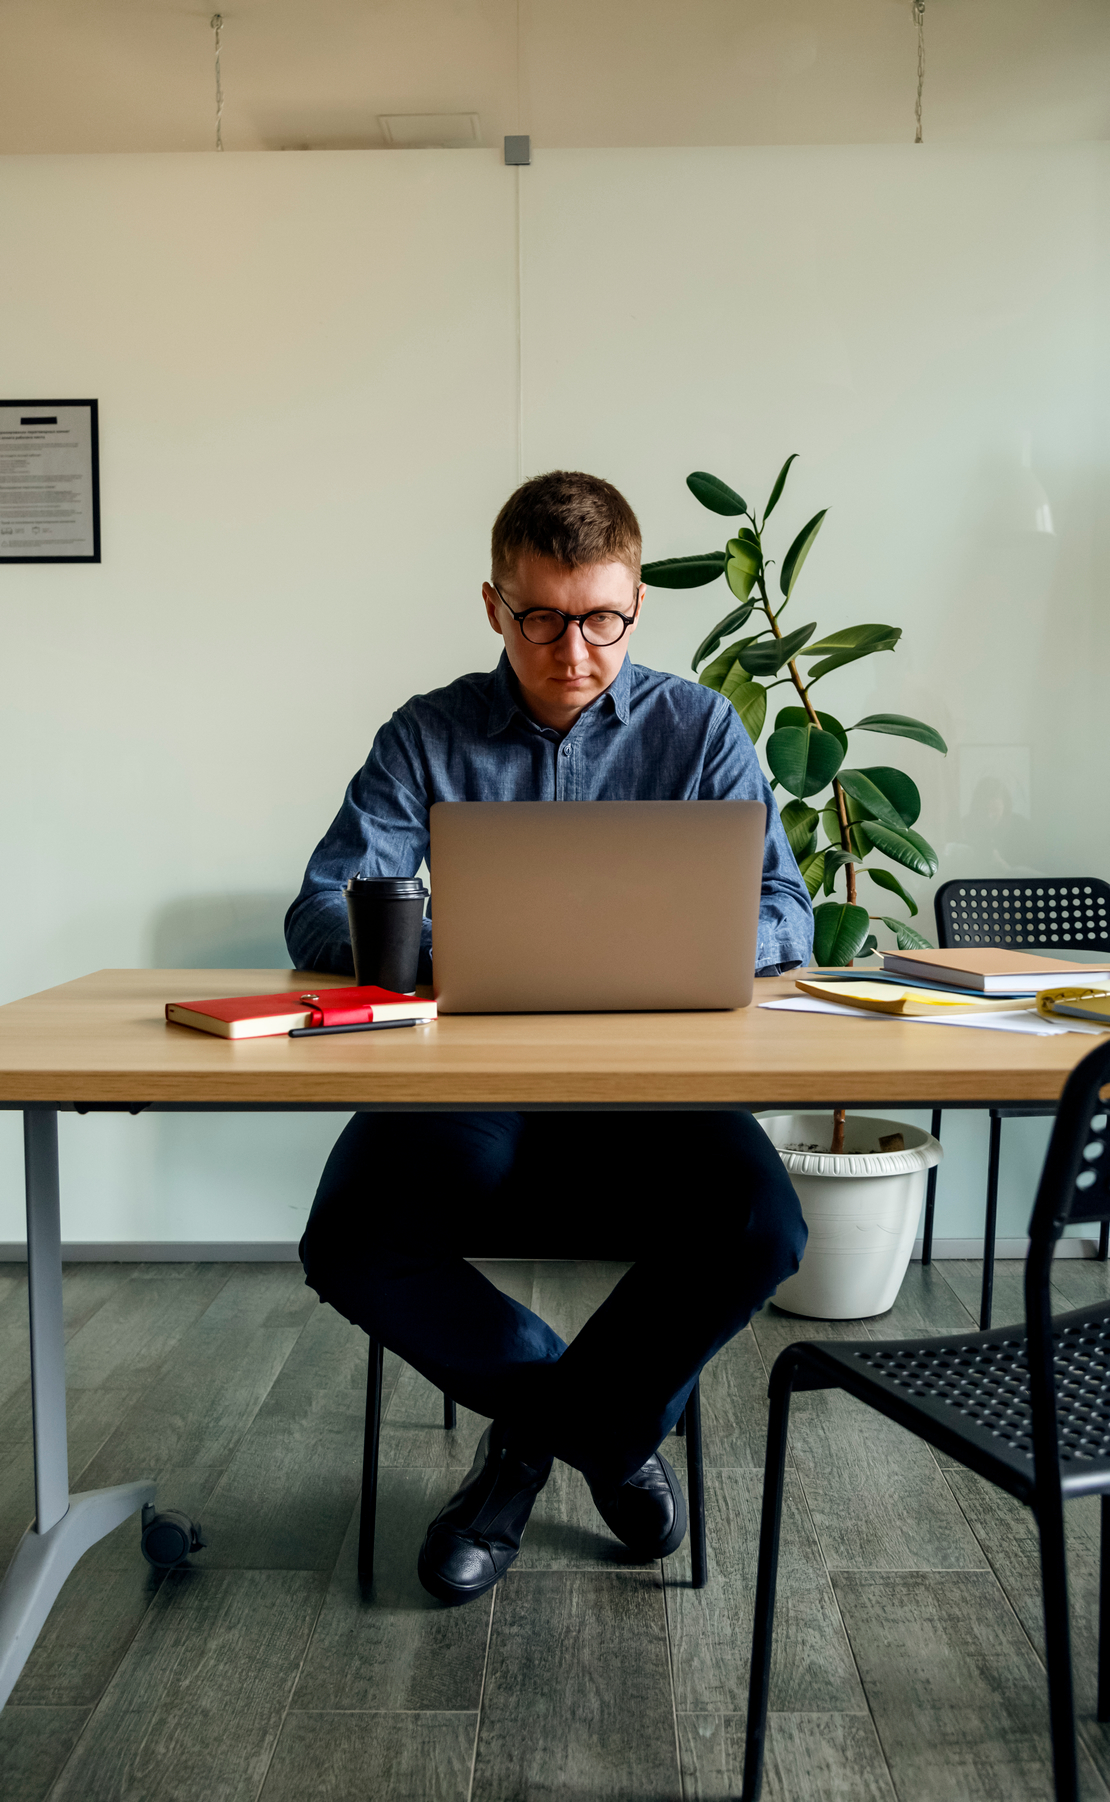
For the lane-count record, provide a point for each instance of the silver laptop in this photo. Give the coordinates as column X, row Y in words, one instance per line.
column 594, row 906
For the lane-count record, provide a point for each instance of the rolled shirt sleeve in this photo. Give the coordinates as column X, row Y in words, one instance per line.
column 732, row 772
column 380, row 830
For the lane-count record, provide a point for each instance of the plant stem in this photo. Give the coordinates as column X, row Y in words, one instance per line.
column 845, row 840
column 777, row 630
column 838, row 792
column 838, row 1130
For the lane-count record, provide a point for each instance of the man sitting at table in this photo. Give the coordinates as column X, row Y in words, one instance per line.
column 699, row 1200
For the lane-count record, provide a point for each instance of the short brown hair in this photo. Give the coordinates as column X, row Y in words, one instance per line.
column 575, row 518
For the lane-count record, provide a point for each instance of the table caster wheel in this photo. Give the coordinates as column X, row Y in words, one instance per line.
column 169, row 1537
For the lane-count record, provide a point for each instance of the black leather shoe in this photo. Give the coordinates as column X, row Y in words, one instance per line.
column 476, row 1535
column 648, row 1512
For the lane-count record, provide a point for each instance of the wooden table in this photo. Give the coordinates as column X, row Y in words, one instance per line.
column 103, row 1043
column 104, row 1040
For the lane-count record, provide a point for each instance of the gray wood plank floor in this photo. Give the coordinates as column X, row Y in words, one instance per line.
column 908, row 1662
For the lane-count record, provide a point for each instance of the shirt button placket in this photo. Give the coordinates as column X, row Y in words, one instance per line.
column 566, row 781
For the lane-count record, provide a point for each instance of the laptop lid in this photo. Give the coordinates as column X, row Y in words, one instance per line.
column 595, row 906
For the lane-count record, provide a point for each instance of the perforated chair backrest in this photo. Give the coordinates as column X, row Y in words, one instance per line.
column 1074, row 1187
column 1075, row 1180
column 1068, row 913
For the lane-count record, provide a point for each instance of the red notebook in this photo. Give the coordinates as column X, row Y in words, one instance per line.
column 265, row 1016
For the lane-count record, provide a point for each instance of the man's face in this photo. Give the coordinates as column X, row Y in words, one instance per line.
column 558, row 680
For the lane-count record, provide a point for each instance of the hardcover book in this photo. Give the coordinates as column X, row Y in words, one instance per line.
column 991, row 970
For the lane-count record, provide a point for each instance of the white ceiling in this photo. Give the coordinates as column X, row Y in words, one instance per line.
column 111, row 75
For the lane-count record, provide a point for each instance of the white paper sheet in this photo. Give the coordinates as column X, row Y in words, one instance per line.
column 1021, row 1021
column 809, row 1004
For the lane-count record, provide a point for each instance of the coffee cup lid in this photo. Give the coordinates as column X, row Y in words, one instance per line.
column 386, row 888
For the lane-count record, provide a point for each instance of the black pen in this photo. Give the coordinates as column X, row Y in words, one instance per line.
column 315, row 1032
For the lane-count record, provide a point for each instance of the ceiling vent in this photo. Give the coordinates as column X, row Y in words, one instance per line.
column 431, row 131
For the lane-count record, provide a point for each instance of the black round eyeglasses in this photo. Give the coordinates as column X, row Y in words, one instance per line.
column 546, row 625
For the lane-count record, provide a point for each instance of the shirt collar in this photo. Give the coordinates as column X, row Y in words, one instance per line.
column 505, row 699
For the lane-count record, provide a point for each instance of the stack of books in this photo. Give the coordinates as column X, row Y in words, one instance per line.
column 939, row 984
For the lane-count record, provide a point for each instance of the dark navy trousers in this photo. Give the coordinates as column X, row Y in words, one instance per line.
column 699, row 1202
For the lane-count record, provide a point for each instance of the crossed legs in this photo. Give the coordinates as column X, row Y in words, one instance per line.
column 700, row 1201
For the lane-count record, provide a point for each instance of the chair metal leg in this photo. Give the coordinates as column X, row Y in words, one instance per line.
column 930, row 1197
column 773, row 1475
column 680, row 1425
column 1061, row 1699
column 695, row 1485
column 368, row 1506
column 1104, row 1614
column 449, row 1416
column 1104, row 1240
column 991, row 1222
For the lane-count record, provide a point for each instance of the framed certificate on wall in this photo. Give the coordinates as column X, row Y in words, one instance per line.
column 49, row 481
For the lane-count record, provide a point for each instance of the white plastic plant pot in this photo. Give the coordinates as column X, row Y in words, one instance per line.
column 861, row 1205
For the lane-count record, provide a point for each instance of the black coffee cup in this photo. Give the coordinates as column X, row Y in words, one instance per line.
column 385, row 913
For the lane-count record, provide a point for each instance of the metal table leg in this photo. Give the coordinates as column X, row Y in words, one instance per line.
column 930, row 1197
column 65, row 1526
column 991, row 1223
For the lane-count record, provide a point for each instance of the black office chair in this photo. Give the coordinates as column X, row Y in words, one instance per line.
column 1026, row 913
column 689, row 1425
column 1028, row 1410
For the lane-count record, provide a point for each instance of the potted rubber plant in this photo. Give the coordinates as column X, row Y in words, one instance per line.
column 839, row 820
column 861, row 1182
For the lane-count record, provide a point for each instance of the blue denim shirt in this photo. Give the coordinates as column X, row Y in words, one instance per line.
column 649, row 737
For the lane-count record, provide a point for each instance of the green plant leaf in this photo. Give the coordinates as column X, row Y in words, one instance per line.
column 839, row 933
column 715, row 494
column 798, row 552
column 900, row 725
column 890, row 882
column 740, row 579
column 838, row 857
column 715, row 673
column 909, row 939
column 803, row 759
column 749, row 699
column 904, row 846
column 835, row 859
column 745, row 549
column 851, row 643
column 732, row 622
column 742, row 644
column 780, row 484
column 742, row 566
column 797, row 716
column 684, row 572
column 767, row 658
column 813, row 871
column 857, row 835
column 849, row 637
column 872, row 803
column 869, row 945
column 900, row 790
column 799, row 822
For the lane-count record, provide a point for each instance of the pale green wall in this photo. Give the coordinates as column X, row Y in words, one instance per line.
column 307, row 372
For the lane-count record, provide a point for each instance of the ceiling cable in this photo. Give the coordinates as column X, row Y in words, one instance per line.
column 919, row 18
column 217, row 23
